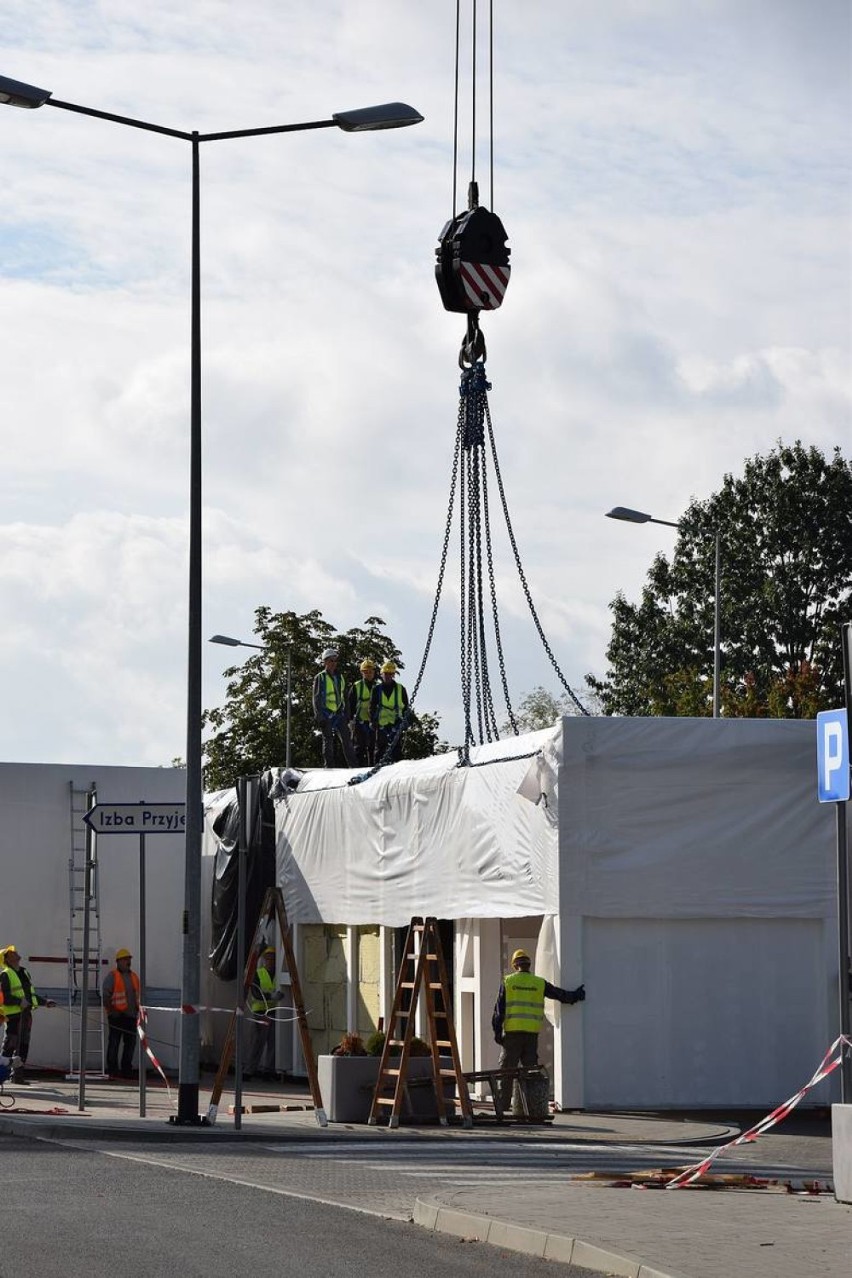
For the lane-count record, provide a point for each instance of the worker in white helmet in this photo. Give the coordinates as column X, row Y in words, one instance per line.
column 329, row 699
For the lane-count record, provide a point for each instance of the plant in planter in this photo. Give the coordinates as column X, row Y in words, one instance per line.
column 375, row 1045
column 350, row 1045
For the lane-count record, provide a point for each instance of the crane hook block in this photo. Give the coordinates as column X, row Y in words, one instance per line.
column 472, row 262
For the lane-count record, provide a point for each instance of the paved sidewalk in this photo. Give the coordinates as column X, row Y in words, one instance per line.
column 656, row 1233
column 647, row 1233
column 283, row 1111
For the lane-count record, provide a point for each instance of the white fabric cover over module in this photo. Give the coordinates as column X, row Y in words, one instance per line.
column 698, row 899
column 693, row 818
column 425, row 837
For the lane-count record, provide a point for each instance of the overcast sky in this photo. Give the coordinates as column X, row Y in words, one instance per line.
column 674, row 177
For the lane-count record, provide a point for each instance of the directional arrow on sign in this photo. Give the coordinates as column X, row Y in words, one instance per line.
column 137, row 818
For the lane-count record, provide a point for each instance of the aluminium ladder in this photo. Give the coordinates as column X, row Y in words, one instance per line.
column 83, row 881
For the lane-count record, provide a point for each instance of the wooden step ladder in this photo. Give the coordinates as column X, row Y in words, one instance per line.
column 422, row 970
column 273, row 909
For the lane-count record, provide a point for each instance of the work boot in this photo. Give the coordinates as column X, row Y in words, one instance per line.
column 19, row 1079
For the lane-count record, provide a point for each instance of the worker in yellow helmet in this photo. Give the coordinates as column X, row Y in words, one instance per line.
column 519, row 1015
column 387, row 712
column 359, row 706
column 121, row 995
column 19, row 999
column 263, row 997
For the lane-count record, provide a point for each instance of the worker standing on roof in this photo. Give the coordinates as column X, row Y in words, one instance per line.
column 387, row 709
column 19, row 999
column 358, row 704
column 519, row 1015
column 330, row 710
column 121, row 1003
column 262, row 997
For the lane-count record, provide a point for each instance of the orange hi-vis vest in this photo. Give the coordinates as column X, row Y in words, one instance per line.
column 118, row 1002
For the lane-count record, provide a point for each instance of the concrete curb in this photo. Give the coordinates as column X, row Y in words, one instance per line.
column 433, row 1214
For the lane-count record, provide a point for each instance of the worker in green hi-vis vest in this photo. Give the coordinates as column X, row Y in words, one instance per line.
column 519, row 1015
column 329, row 700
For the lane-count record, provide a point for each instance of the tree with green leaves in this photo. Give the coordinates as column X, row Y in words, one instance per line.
column 785, row 534
column 249, row 730
column 541, row 709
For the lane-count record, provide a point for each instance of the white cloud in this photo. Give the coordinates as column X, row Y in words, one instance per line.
column 674, row 180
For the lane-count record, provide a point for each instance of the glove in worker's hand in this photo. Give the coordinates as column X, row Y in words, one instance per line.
column 579, row 994
column 498, row 1039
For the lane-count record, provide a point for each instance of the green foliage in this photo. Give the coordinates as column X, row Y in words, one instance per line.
column 785, row 531
column 375, row 1045
column 541, row 709
column 249, row 732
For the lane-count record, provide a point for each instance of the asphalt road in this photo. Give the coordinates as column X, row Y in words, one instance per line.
column 74, row 1212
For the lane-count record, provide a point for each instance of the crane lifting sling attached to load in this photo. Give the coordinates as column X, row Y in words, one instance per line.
column 472, row 272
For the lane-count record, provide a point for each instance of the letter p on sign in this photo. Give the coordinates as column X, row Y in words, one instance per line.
column 832, row 757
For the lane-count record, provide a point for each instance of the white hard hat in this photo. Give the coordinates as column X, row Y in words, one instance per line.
column 330, row 654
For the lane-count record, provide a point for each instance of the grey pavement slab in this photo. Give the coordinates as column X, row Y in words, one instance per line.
column 688, row 1233
column 49, row 1107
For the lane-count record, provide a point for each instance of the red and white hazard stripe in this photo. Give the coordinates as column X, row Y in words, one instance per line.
column 484, row 285
column 146, row 1047
column 828, row 1063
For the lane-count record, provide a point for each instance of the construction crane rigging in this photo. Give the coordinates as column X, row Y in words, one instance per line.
column 472, row 271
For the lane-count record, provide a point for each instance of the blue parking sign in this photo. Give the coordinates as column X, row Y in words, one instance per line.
column 832, row 757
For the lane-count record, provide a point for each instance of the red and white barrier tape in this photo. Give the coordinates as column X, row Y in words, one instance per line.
column 189, row 1009
column 146, row 1047
column 828, row 1063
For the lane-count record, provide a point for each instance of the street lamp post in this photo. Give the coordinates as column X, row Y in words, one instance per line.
column 630, row 516
column 391, row 115
column 239, row 643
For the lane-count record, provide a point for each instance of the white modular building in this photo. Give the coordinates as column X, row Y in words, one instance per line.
column 682, row 870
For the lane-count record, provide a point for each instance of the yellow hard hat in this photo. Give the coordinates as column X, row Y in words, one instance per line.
column 123, row 954
column 270, row 949
column 520, row 956
column 9, row 949
column 368, row 664
column 389, row 667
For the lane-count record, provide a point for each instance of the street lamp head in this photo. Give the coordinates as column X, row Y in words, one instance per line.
column 14, row 93
column 631, row 516
column 227, row 640
column 390, row 115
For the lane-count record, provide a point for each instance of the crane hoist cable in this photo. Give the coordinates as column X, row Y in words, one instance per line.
column 472, row 272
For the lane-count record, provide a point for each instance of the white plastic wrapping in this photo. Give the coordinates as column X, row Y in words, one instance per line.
column 425, row 837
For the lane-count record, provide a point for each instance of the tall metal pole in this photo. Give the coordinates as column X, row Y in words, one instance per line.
column 843, row 951
column 717, row 609
column 289, row 704
column 239, row 1040
column 189, row 1036
column 844, row 905
column 141, row 971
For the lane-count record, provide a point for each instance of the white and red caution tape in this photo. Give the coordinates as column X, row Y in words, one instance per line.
column 141, row 1021
column 828, row 1063
column 190, row 1009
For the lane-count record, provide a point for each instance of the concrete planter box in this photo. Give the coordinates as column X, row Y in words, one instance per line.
column 841, row 1151
column 347, row 1084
